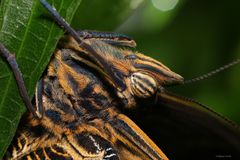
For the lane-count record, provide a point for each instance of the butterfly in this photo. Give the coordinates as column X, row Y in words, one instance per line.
column 91, row 80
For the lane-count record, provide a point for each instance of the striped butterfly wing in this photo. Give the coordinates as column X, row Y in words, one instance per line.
column 112, row 139
column 37, row 143
column 184, row 128
column 25, row 149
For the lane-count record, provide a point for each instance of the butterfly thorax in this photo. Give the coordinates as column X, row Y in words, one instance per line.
column 72, row 94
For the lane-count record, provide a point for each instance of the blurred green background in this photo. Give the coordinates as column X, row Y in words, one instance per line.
column 190, row 37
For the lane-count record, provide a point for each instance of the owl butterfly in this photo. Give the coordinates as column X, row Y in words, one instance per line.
column 91, row 83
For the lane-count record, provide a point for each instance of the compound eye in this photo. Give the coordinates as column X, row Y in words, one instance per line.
column 143, row 85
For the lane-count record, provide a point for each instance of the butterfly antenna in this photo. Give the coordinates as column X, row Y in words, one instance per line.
column 56, row 16
column 204, row 76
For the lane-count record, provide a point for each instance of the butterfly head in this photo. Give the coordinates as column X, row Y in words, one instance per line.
column 149, row 75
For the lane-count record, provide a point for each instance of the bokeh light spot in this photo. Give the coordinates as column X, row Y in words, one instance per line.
column 164, row 5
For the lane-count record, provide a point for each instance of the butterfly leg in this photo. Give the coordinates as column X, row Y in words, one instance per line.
column 112, row 38
column 39, row 98
column 11, row 60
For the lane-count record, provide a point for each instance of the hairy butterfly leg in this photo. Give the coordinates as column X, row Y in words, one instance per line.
column 10, row 58
column 116, row 39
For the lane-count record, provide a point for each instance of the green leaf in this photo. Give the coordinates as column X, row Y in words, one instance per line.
column 27, row 31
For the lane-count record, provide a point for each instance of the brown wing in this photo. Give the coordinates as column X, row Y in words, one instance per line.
column 130, row 141
column 34, row 141
column 47, row 153
column 184, row 128
column 111, row 139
